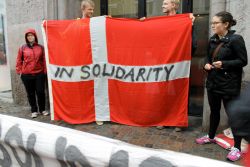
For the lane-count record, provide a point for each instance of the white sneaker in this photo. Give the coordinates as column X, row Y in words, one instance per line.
column 45, row 113
column 177, row 129
column 160, row 127
column 99, row 122
column 34, row 115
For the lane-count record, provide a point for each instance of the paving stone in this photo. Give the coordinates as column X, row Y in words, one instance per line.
column 149, row 137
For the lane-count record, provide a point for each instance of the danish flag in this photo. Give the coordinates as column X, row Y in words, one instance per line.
column 121, row 70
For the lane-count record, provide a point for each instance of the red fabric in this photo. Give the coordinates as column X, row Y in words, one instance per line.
column 148, row 43
column 247, row 157
column 74, row 102
column 149, row 104
column 151, row 42
column 156, row 41
column 224, row 141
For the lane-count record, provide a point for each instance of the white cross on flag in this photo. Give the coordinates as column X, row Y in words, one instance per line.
column 121, row 70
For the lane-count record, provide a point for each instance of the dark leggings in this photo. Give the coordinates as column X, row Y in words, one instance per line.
column 215, row 100
column 35, row 88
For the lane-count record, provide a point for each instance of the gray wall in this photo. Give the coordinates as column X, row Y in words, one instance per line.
column 20, row 16
column 240, row 10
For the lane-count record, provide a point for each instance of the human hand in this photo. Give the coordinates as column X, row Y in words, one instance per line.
column 208, row 67
column 217, row 64
column 191, row 16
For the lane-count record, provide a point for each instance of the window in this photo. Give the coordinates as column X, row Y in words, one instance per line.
column 3, row 60
column 201, row 12
column 69, row 10
column 154, row 8
column 123, row 8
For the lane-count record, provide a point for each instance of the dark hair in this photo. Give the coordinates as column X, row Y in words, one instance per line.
column 227, row 17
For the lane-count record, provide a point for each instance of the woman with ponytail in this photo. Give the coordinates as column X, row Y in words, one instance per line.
column 224, row 64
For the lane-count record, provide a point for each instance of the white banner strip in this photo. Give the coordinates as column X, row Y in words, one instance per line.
column 45, row 39
column 99, row 55
column 35, row 144
column 136, row 74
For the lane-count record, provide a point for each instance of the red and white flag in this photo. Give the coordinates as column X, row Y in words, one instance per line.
column 121, row 70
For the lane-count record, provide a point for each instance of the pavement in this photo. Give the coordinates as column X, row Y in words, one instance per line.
column 149, row 137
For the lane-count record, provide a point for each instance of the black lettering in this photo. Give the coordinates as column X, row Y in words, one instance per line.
column 73, row 155
column 140, row 74
column 58, row 69
column 156, row 162
column 30, row 147
column 120, row 159
column 122, row 72
column 59, row 150
column 14, row 134
column 64, row 70
column 105, row 73
column 6, row 161
column 97, row 72
column 83, row 69
column 131, row 74
column 168, row 71
column 113, row 71
column 150, row 70
column 157, row 71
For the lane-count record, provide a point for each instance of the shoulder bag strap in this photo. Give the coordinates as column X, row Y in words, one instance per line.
column 217, row 50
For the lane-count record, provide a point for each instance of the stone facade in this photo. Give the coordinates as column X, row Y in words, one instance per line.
column 30, row 13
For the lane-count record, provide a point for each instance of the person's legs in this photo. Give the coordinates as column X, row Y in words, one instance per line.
column 215, row 106
column 235, row 152
column 214, row 100
column 40, row 91
column 30, row 86
column 226, row 102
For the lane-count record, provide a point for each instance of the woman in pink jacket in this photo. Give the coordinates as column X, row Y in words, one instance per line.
column 31, row 66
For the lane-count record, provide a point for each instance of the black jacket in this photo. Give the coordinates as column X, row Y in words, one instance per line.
column 233, row 54
column 239, row 115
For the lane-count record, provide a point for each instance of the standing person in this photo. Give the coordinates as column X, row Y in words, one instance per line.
column 169, row 8
column 239, row 119
column 226, row 58
column 87, row 8
column 31, row 66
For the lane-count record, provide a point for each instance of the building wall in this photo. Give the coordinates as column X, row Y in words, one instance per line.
column 240, row 10
column 20, row 16
column 4, row 66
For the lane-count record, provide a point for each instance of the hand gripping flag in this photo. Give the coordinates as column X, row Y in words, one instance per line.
column 121, row 70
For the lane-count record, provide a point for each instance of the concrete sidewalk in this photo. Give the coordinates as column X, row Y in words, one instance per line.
column 143, row 136
column 6, row 96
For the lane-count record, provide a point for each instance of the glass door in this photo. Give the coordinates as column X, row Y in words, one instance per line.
column 197, row 76
column 3, row 60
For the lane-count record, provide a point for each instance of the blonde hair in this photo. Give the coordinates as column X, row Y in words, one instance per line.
column 177, row 3
column 85, row 2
